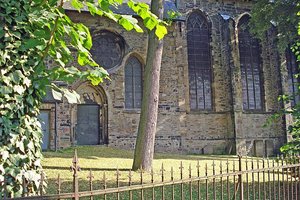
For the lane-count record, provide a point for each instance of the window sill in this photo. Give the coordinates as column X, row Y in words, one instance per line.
column 133, row 110
column 257, row 112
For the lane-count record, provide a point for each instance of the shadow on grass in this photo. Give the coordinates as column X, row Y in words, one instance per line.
column 95, row 152
column 210, row 190
column 86, row 169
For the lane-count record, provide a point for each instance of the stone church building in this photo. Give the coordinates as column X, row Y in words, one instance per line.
column 218, row 85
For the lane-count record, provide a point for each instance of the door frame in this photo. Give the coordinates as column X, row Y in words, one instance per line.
column 49, row 133
column 82, row 87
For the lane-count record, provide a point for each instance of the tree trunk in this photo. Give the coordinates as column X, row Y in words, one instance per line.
column 144, row 148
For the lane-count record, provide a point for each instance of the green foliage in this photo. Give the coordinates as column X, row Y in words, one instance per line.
column 285, row 16
column 279, row 13
column 30, row 33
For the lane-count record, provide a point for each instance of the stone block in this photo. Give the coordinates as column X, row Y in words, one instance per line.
column 259, row 148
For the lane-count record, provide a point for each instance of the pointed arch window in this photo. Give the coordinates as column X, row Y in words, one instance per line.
column 199, row 61
column 133, row 83
column 293, row 80
column 249, row 49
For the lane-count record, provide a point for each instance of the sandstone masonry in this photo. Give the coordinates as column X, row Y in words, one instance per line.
column 223, row 130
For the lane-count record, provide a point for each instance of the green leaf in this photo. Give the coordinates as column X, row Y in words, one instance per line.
column 160, row 31
column 126, row 23
column 19, row 89
column 4, row 155
column 150, row 23
column 72, row 96
column 93, row 9
column 56, row 94
column 82, row 59
column 76, row 4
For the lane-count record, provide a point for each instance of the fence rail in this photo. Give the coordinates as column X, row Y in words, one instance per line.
column 248, row 179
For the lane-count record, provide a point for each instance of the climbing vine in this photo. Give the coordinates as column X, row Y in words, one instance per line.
column 30, row 33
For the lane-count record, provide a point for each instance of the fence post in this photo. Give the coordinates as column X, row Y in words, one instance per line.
column 241, row 179
column 75, row 168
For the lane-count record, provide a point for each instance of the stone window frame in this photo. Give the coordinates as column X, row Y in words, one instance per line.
column 207, row 22
column 245, row 19
column 138, row 59
column 121, row 42
column 293, row 81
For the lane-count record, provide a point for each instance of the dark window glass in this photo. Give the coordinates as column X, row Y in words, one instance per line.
column 107, row 49
column 133, row 83
column 249, row 48
column 293, row 81
column 199, row 60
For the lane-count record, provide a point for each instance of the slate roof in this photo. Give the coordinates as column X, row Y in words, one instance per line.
column 125, row 10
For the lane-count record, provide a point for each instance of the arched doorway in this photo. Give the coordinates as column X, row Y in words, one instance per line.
column 91, row 116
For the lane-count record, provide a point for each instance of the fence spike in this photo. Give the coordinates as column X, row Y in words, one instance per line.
column 162, row 172
column 214, row 169
column 129, row 177
column 152, row 175
column 206, row 170
column 90, row 177
column 75, row 168
column 198, row 168
column 227, row 164
column 221, row 167
column 233, row 166
column 58, row 183
column 41, row 186
column 181, row 177
column 117, row 177
column 104, row 183
column 141, row 176
column 129, row 183
column 181, row 170
column 104, row 180
column 190, row 171
column 172, row 174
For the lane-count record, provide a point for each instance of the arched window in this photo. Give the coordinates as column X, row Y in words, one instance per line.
column 133, row 83
column 250, row 60
column 293, row 81
column 199, row 60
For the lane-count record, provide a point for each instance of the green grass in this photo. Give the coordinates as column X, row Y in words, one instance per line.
column 100, row 160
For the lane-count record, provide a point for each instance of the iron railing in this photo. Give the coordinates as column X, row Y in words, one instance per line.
column 244, row 178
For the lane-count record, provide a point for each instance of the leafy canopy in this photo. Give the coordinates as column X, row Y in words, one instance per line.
column 284, row 15
column 32, row 32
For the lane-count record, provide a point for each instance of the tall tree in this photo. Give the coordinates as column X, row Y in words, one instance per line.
column 281, row 14
column 144, row 148
column 284, row 15
column 31, row 32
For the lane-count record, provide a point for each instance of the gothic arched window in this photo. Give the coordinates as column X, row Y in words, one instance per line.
column 293, row 81
column 250, row 60
column 133, row 83
column 199, row 60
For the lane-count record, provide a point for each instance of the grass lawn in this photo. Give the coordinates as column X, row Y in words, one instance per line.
column 102, row 159
column 105, row 159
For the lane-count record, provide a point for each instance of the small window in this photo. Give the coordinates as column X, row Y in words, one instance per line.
column 293, row 81
column 133, row 83
column 199, row 60
column 250, row 60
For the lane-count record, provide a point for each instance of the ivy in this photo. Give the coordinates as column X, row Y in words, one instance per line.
column 30, row 33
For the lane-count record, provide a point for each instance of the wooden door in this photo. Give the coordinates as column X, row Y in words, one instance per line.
column 88, row 121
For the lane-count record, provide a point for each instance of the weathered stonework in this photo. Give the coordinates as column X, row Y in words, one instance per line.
column 223, row 130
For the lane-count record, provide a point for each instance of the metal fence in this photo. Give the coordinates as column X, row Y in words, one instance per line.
column 243, row 178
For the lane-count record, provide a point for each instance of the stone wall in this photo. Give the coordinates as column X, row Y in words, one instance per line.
column 224, row 129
